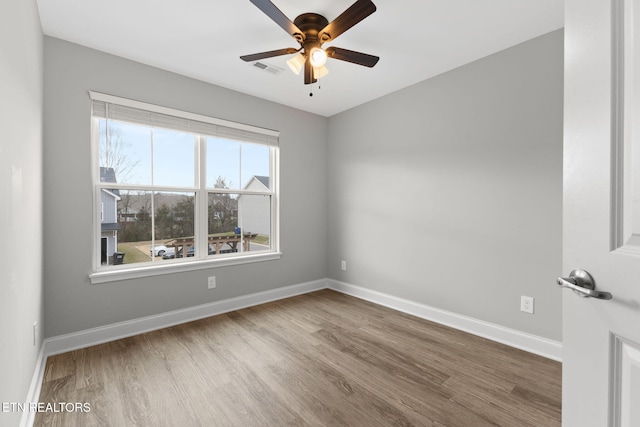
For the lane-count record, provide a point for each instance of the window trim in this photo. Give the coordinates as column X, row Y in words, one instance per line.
column 101, row 274
column 147, row 270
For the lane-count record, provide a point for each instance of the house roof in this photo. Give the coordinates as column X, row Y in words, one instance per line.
column 113, row 193
column 264, row 180
column 109, row 175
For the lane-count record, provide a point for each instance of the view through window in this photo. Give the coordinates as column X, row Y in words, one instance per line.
column 173, row 189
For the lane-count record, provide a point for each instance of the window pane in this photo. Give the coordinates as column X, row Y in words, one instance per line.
column 223, row 213
column 239, row 223
column 127, row 241
column 126, row 228
column 255, row 220
column 255, row 167
column 174, row 225
column 223, row 163
column 237, row 165
column 222, row 223
column 125, row 152
column 173, row 158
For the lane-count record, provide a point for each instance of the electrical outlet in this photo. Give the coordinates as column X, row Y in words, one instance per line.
column 211, row 282
column 343, row 265
column 526, row 304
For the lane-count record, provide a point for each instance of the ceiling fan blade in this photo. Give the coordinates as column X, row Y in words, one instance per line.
column 352, row 56
column 350, row 17
column 269, row 54
column 308, row 72
column 277, row 16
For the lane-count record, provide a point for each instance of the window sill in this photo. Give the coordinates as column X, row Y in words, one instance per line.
column 159, row 270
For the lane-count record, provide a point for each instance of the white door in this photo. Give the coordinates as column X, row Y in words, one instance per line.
column 601, row 338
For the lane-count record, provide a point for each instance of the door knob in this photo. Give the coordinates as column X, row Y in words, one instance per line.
column 581, row 282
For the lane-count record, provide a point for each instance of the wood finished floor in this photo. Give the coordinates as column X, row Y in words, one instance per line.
column 320, row 359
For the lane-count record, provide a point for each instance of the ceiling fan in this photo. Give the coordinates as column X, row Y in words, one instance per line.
column 311, row 31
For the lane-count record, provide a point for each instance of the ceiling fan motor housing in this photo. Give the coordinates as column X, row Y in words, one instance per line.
column 310, row 24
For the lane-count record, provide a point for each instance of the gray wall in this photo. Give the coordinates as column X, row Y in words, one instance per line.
column 449, row 192
column 72, row 304
column 20, row 199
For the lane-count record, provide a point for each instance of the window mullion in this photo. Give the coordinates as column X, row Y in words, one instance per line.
column 202, row 226
column 153, row 206
column 95, row 170
column 240, row 214
column 275, row 219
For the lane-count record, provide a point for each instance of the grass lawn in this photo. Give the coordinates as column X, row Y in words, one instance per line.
column 261, row 239
column 135, row 252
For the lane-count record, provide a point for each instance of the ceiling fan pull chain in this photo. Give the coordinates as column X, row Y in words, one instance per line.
column 311, row 89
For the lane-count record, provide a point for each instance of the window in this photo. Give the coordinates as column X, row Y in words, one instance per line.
column 176, row 191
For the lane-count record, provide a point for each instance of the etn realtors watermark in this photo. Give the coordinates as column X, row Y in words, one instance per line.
column 56, row 407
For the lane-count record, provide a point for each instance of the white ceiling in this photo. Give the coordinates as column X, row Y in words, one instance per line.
column 203, row 39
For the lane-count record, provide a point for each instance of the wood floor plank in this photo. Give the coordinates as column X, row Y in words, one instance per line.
column 319, row 359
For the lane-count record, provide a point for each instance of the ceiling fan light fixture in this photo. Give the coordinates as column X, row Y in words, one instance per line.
column 311, row 30
column 318, row 57
column 296, row 63
column 319, row 72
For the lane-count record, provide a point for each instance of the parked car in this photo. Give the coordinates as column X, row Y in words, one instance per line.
column 158, row 250
column 170, row 252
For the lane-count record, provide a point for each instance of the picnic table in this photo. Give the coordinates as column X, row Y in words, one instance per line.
column 216, row 243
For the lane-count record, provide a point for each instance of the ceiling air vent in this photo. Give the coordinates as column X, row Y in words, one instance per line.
column 268, row 68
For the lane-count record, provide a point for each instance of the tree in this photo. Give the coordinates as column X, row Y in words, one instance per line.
column 183, row 216
column 115, row 152
column 164, row 222
column 134, row 216
column 140, row 229
column 223, row 209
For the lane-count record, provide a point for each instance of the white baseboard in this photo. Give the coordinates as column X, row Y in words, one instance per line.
column 28, row 417
column 81, row 339
column 115, row 331
column 524, row 341
column 528, row 342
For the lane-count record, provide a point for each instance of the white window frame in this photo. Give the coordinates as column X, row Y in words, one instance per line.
column 202, row 127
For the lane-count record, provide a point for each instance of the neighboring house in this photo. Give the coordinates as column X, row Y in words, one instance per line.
column 133, row 204
column 108, row 217
column 255, row 209
column 128, row 215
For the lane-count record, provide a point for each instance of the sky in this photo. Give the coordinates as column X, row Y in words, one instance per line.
column 164, row 157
